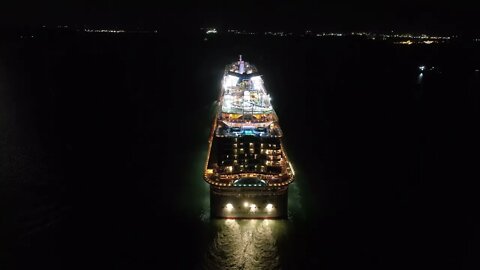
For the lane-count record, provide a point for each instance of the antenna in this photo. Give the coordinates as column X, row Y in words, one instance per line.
column 241, row 65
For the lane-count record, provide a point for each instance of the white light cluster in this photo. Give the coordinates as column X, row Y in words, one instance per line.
column 230, row 81
column 257, row 82
column 211, row 31
column 229, row 207
column 227, row 103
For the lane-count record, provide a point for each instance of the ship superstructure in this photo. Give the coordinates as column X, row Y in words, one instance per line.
column 247, row 167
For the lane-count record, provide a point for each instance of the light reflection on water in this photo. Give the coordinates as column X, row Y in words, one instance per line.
column 245, row 244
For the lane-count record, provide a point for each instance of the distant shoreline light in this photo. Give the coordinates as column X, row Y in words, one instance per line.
column 399, row 37
column 211, row 31
column 104, row 31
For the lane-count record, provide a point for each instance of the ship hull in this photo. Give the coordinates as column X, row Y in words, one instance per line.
column 237, row 203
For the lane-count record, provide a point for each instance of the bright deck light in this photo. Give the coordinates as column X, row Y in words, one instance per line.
column 257, row 82
column 246, row 204
column 229, row 207
column 230, row 81
column 253, row 208
column 291, row 168
column 269, row 207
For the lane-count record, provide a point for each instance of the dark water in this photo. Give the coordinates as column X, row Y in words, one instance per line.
column 103, row 139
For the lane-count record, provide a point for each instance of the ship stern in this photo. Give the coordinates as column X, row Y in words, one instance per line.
column 249, row 203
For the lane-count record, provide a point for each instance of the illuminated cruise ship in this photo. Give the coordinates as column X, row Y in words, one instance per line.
column 247, row 167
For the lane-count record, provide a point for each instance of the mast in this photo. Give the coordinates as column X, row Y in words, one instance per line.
column 241, row 65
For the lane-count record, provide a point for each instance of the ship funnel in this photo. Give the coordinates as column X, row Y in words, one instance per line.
column 241, row 65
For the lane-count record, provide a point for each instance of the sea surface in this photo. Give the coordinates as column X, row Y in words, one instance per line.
column 103, row 138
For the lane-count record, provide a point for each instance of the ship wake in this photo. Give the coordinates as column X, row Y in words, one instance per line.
column 243, row 244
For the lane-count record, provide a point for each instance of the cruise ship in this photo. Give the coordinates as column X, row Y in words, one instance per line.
column 247, row 168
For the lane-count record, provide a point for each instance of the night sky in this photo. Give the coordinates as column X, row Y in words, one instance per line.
column 403, row 16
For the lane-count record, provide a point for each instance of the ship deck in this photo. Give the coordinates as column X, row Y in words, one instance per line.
column 245, row 135
column 228, row 179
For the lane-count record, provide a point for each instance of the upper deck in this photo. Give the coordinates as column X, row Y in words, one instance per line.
column 245, row 107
